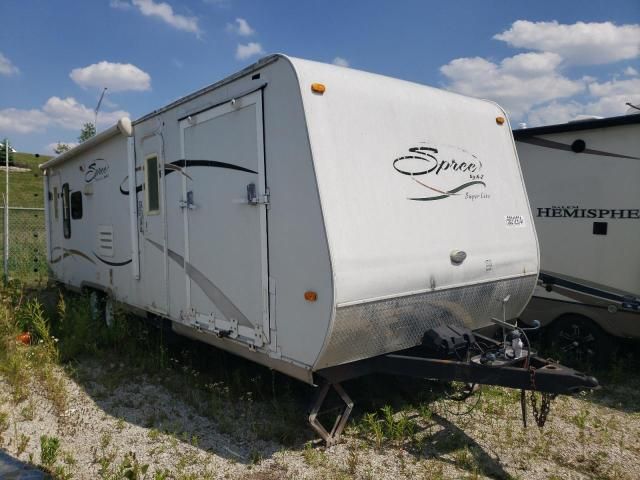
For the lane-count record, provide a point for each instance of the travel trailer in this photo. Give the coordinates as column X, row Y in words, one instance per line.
column 308, row 217
column 582, row 180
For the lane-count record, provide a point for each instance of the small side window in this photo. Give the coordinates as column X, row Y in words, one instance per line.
column 55, row 202
column 66, row 211
column 152, row 185
column 76, row 205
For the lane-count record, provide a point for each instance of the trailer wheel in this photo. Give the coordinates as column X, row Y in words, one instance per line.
column 579, row 341
column 101, row 308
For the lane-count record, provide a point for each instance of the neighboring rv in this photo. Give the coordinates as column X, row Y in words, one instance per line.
column 583, row 179
column 314, row 219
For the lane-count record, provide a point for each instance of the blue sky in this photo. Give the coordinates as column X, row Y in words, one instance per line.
column 545, row 61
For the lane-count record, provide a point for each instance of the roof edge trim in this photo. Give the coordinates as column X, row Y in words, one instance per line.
column 577, row 126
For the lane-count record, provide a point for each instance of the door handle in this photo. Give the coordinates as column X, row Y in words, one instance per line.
column 188, row 203
column 253, row 198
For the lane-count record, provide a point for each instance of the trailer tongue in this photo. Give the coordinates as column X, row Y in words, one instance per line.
column 457, row 354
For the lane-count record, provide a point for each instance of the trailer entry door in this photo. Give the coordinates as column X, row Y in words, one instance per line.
column 225, row 219
column 154, row 258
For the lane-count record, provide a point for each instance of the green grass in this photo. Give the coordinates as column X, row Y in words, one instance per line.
column 409, row 425
column 25, row 188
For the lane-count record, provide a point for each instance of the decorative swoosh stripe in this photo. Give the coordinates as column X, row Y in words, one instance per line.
column 178, row 166
column 113, row 264
column 429, row 187
column 207, row 163
column 543, row 142
column 126, row 192
column 68, row 253
column 175, row 168
column 138, row 188
column 450, row 192
column 213, row 293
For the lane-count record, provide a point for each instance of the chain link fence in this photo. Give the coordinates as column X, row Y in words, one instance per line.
column 26, row 241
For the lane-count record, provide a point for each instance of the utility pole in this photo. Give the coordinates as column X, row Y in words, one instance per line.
column 6, row 211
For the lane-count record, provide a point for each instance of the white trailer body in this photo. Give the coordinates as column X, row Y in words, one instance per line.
column 582, row 180
column 298, row 227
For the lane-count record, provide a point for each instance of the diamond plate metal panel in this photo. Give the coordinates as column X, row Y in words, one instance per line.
column 374, row 328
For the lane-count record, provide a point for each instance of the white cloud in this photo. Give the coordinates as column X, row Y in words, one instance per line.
column 615, row 87
column 68, row 113
column 241, row 27
column 555, row 112
column 22, row 121
column 341, row 62
column 535, row 87
column 162, row 11
column 6, row 67
column 605, row 99
column 63, row 112
column 612, row 97
column 249, row 50
column 579, row 43
column 115, row 76
column 517, row 83
column 531, row 64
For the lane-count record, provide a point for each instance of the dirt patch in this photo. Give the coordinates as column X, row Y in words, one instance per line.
column 116, row 420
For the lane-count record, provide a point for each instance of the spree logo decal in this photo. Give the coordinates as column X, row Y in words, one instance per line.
column 444, row 172
column 96, row 170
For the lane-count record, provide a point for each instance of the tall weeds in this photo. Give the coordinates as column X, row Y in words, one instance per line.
column 29, row 362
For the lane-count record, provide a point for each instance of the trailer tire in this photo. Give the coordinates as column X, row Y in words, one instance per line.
column 102, row 309
column 579, row 341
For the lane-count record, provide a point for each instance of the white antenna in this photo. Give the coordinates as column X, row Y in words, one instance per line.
column 95, row 122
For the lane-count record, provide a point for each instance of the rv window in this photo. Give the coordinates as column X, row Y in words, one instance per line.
column 66, row 211
column 152, row 190
column 76, row 205
column 55, row 202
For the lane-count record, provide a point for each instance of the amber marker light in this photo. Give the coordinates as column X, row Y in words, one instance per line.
column 310, row 296
column 499, row 120
column 318, row 88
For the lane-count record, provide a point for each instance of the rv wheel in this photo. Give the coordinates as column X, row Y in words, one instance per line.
column 579, row 341
column 101, row 307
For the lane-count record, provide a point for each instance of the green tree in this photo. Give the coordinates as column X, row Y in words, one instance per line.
column 3, row 154
column 88, row 131
column 61, row 148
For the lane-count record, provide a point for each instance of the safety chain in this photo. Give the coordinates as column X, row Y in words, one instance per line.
column 539, row 415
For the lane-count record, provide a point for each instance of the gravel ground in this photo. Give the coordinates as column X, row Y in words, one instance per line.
column 116, row 420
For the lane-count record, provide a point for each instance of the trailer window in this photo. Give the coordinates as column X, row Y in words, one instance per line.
column 55, row 202
column 152, row 185
column 66, row 211
column 76, row 205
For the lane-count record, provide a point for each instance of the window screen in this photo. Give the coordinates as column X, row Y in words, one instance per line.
column 152, row 185
column 76, row 205
column 66, row 211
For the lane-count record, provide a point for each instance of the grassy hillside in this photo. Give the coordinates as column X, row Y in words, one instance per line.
column 27, row 260
column 25, row 188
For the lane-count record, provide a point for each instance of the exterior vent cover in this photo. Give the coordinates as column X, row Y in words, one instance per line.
column 105, row 240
